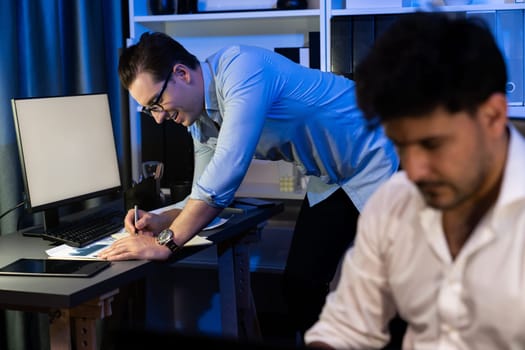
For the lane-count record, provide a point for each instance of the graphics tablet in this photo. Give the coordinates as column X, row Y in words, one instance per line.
column 54, row 267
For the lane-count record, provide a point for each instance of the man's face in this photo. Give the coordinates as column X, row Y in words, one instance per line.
column 447, row 156
column 181, row 100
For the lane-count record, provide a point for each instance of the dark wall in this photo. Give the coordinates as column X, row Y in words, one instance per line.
column 171, row 144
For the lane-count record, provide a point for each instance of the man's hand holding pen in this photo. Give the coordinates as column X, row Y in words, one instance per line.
column 143, row 226
column 140, row 222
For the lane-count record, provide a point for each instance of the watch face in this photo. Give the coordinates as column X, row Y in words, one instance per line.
column 164, row 237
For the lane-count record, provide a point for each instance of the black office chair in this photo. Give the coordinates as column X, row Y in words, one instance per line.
column 129, row 339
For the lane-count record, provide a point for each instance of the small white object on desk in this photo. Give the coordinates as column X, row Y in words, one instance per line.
column 217, row 222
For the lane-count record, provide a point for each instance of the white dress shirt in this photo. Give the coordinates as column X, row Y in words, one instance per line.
column 401, row 262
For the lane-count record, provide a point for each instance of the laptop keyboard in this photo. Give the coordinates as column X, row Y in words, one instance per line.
column 80, row 233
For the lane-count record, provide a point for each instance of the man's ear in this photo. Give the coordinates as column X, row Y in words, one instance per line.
column 181, row 71
column 494, row 113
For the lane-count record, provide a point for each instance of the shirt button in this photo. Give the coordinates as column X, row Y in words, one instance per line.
column 454, row 335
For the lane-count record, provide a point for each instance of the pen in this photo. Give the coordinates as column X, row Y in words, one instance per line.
column 136, row 213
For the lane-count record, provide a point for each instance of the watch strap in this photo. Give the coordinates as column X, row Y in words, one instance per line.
column 172, row 245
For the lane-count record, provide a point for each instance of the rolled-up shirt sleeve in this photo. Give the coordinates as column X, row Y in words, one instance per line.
column 244, row 97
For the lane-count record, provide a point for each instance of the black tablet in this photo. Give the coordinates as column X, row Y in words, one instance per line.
column 54, row 267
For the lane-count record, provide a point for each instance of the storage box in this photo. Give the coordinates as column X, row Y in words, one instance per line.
column 350, row 4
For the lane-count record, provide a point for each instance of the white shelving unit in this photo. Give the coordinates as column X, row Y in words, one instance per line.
column 204, row 33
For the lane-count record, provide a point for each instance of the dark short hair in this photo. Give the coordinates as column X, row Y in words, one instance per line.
column 155, row 53
column 427, row 60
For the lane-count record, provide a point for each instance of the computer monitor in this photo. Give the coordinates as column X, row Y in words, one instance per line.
column 67, row 151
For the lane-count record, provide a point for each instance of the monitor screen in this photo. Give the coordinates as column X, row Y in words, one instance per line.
column 67, row 149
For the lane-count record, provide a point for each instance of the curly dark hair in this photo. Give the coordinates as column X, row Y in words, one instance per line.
column 427, row 60
column 155, row 53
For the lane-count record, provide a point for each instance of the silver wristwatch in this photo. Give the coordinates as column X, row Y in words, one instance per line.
column 165, row 238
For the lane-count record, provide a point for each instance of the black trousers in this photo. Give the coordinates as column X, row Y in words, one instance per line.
column 321, row 236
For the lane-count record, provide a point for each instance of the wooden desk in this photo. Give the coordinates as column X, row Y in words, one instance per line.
column 80, row 302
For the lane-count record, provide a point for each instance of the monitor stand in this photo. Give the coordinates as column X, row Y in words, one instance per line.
column 51, row 220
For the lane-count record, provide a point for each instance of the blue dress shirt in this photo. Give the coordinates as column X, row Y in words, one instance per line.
column 260, row 104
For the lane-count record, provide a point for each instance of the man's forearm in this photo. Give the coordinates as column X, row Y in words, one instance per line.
column 169, row 216
column 192, row 219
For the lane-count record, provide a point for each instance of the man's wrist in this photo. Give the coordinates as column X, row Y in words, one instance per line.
column 167, row 238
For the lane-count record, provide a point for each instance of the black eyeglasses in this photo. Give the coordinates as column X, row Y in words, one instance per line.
column 156, row 107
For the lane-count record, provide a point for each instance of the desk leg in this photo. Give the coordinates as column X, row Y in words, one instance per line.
column 60, row 330
column 238, row 314
column 84, row 318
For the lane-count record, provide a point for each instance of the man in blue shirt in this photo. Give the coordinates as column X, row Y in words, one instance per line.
column 245, row 102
